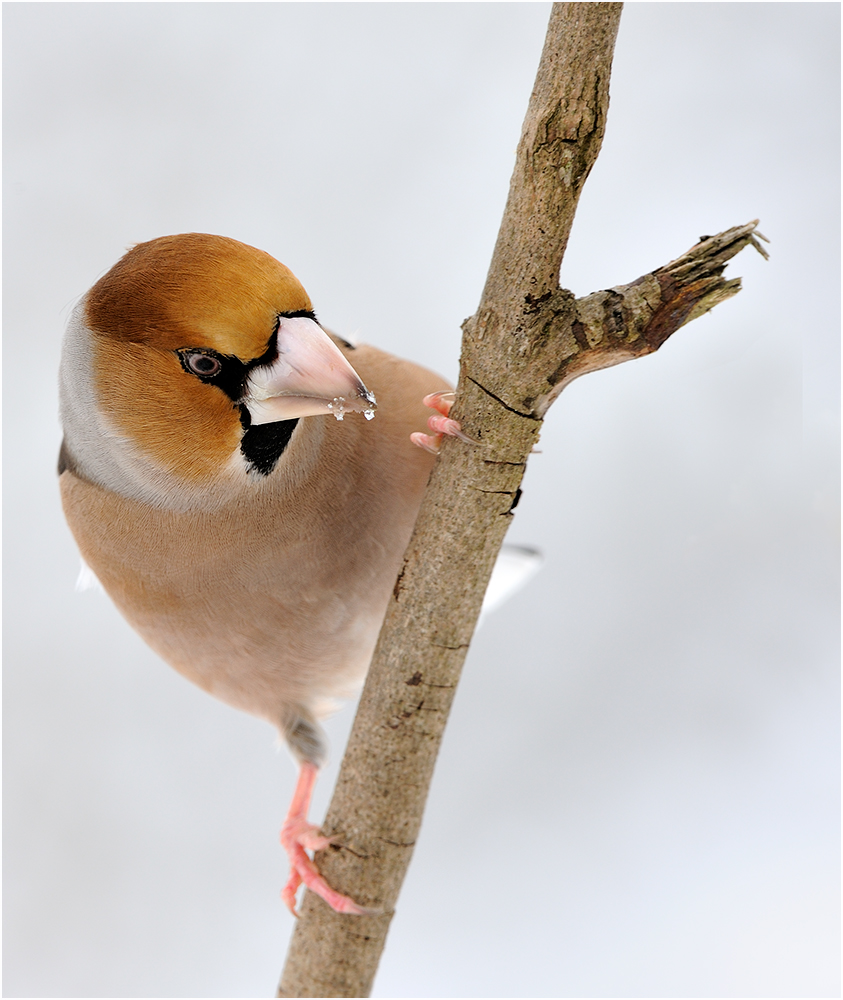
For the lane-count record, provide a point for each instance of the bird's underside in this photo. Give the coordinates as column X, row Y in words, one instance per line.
column 288, row 625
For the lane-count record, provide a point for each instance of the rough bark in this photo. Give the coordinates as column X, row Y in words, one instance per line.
column 528, row 339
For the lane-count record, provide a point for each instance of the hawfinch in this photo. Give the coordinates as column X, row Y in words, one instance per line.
column 250, row 537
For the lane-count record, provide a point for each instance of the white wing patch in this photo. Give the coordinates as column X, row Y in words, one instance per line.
column 87, row 579
column 515, row 566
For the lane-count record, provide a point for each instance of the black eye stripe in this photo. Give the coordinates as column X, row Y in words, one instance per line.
column 232, row 373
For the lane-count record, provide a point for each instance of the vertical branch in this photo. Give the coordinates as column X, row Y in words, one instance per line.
column 560, row 139
column 513, row 340
column 377, row 806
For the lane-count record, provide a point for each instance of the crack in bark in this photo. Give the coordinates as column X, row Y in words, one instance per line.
column 506, row 406
column 345, row 847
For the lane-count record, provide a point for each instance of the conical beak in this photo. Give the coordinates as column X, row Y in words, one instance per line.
column 309, row 377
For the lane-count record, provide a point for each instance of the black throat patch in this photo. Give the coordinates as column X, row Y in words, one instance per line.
column 264, row 444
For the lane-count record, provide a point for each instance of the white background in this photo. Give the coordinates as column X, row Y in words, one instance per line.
column 637, row 793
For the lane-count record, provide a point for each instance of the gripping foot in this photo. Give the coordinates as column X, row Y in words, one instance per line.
column 440, row 423
column 299, row 836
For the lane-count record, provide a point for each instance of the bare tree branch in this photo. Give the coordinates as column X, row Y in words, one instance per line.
column 629, row 321
column 528, row 339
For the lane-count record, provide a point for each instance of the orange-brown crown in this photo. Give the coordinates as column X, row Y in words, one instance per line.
column 195, row 290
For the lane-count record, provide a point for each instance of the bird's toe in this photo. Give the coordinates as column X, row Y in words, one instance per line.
column 297, row 837
column 440, row 423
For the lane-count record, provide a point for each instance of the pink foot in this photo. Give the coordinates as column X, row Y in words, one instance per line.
column 440, row 423
column 297, row 836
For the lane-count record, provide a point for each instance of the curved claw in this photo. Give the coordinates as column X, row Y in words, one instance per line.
column 441, row 401
column 288, row 893
column 428, row 442
column 444, row 425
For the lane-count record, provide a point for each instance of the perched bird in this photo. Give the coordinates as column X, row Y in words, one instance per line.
column 250, row 539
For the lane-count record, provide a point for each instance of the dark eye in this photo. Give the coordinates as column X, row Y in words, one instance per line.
column 203, row 364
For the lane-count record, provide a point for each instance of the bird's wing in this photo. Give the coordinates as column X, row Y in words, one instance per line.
column 516, row 565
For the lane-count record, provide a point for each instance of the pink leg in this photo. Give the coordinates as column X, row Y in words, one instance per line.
column 296, row 836
column 440, row 423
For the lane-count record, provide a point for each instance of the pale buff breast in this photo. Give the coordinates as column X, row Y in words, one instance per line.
column 274, row 597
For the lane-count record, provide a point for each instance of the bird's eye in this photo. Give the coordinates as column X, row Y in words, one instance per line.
column 204, row 365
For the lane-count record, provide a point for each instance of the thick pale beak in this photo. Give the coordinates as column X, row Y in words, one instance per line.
column 309, row 377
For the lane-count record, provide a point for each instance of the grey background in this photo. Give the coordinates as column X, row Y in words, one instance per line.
column 638, row 789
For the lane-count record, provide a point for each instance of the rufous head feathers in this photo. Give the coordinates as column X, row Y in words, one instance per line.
column 194, row 338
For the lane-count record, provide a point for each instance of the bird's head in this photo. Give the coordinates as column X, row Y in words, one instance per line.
column 198, row 343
